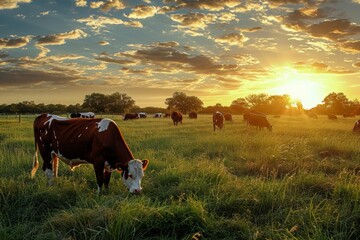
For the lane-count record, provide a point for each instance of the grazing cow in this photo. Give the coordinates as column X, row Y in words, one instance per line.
column 258, row 120
column 228, row 116
column 167, row 115
column 218, row 120
column 131, row 116
column 176, row 117
column 332, row 117
column 83, row 115
column 356, row 128
column 345, row 115
column 77, row 141
column 193, row 115
column 158, row 115
column 142, row 115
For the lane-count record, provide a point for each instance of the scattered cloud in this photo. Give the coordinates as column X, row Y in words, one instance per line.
column 96, row 23
column 233, row 39
column 60, row 38
column 103, row 43
column 194, row 21
column 11, row 4
column 142, row 12
column 14, row 42
column 80, row 3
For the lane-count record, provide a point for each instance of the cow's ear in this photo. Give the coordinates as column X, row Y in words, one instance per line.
column 145, row 163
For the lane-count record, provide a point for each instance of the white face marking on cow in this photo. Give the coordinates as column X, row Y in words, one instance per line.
column 104, row 124
column 136, row 172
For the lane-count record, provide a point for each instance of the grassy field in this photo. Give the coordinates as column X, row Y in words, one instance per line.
column 301, row 181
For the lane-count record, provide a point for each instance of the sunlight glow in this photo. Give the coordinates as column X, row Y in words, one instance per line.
column 300, row 87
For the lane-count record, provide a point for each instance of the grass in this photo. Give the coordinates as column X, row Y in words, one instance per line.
column 300, row 181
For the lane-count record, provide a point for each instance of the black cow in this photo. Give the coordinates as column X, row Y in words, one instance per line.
column 258, row 120
column 228, row 116
column 193, row 115
column 356, row 128
column 176, row 117
column 131, row 116
column 218, row 120
column 82, row 115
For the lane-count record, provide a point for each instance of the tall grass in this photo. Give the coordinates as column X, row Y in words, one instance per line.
column 300, row 181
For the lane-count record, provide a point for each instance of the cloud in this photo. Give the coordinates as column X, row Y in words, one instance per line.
column 80, row 3
column 353, row 46
column 14, row 42
column 143, row 11
column 194, row 20
column 233, row 39
column 333, row 29
column 60, row 38
column 103, row 43
column 211, row 5
column 357, row 64
column 107, row 5
column 96, row 23
column 11, row 4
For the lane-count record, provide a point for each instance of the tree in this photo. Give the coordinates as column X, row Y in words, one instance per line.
column 183, row 103
column 258, row 101
column 278, row 104
column 239, row 105
column 113, row 103
column 336, row 103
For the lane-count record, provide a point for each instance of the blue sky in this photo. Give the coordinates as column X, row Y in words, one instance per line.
column 60, row 51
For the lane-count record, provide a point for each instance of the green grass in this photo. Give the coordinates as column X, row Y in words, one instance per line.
column 301, row 181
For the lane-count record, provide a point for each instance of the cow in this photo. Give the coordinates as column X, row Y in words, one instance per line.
column 78, row 141
column 158, row 115
column 356, row 128
column 218, row 120
column 142, row 115
column 193, row 115
column 346, row 115
column 258, row 120
column 176, row 117
column 311, row 115
column 332, row 117
column 167, row 115
column 228, row 116
column 129, row 116
column 83, row 115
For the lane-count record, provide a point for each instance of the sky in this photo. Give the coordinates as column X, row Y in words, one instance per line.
column 60, row 51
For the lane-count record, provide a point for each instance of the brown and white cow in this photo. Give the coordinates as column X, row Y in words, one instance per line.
column 218, row 120
column 176, row 117
column 83, row 140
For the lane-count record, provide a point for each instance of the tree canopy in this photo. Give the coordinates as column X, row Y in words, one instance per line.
column 184, row 103
column 113, row 103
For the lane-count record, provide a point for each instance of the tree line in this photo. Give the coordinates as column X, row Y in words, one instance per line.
column 119, row 103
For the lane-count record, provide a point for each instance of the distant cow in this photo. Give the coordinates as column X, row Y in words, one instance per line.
column 158, row 115
column 258, row 120
column 193, row 115
column 311, row 115
column 83, row 115
column 166, row 115
column 247, row 114
column 129, row 116
column 332, row 117
column 345, row 115
column 228, row 116
column 142, row 115
column 356, row 128
column 176, row 117
column 77, row 141
column 218, row 120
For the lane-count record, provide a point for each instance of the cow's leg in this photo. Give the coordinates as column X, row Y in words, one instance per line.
column 47, row 166
column 99, row 172
column 55, row 164
column 107, row 176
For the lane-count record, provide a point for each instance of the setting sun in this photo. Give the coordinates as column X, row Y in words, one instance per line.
column 300, row 87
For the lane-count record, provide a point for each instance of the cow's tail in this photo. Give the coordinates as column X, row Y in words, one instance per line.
column 35, row 161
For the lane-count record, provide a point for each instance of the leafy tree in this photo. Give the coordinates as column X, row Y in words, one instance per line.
column 239, row 105
column 258, row 102
column 279, row 103
column 184, row 103
column 113, row 103
column 336, row 103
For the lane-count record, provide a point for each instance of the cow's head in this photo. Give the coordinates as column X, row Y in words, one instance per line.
column 132, row 176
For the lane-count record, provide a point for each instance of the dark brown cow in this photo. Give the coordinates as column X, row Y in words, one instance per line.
column 129, row 116
column 81, row 140
column 258, row 120
column 218, row 120
column 332, row 117
column 228, row 116
column 356, row 128
column 193, row 115
column 176, row 117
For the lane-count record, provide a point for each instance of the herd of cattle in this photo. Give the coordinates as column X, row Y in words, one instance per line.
column 98, row 141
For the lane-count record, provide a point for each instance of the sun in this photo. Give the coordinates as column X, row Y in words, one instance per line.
column 300, row 87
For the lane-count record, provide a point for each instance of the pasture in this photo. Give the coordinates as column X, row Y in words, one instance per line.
column 301, row 181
